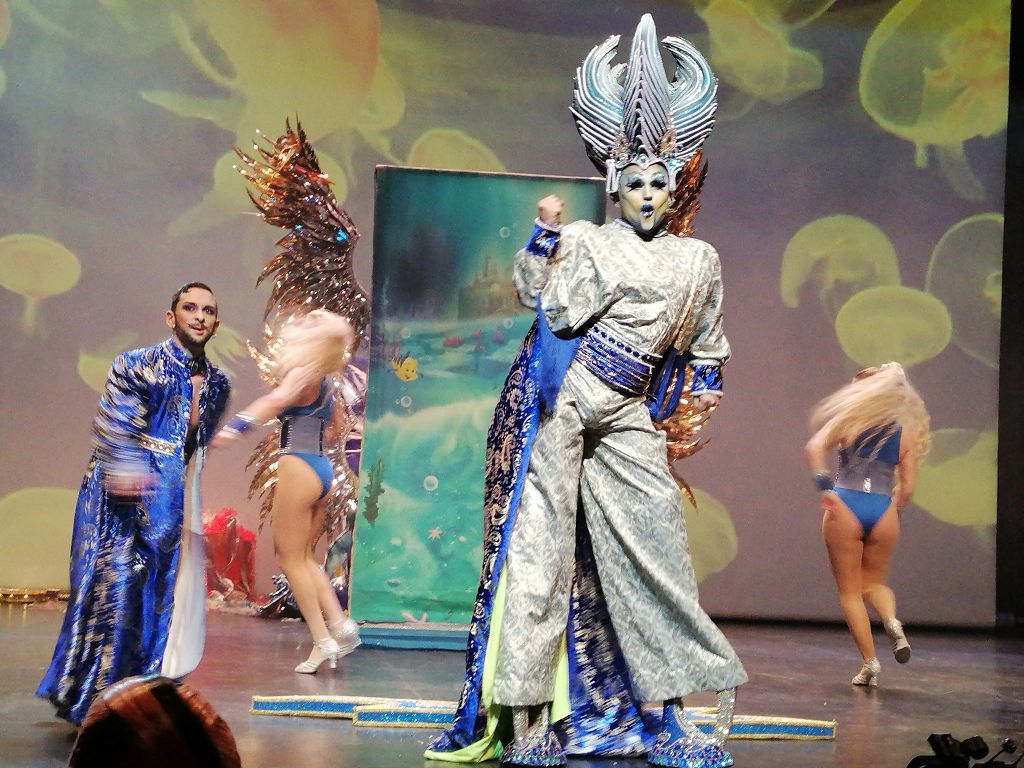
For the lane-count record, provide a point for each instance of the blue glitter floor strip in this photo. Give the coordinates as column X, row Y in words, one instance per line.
column 375, row 712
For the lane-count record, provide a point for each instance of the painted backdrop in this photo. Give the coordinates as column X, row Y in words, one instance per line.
column 446, row 326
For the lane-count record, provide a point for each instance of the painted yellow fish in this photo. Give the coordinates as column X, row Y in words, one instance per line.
column 405, row 367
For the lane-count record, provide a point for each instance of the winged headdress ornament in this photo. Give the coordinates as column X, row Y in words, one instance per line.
column 632, row 113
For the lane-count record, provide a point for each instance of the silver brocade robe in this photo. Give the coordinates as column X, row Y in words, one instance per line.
column 598, row 447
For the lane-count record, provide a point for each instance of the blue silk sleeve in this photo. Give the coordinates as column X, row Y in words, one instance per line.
column 121, row 418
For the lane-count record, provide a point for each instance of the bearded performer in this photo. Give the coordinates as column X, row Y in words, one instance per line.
column 138, row 567
column 587, row 605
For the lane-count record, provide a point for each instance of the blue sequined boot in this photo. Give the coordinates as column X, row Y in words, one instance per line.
column 682, row 745
column 534, row 745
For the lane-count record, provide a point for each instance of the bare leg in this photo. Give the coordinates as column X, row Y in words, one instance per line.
column 842, row 533
column 326, row 596
column 298, row 488
column 878, row 549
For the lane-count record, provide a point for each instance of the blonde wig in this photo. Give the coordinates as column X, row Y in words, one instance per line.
column 876, row 400
column 320, row 339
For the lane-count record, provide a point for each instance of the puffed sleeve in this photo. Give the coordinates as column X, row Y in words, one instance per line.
column 709, row 349
column 121, row 417
column 533, row 263
column 578, row 288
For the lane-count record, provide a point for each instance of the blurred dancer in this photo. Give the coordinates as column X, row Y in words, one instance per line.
column 138, row 591
column 310, row 349
column 880, row 426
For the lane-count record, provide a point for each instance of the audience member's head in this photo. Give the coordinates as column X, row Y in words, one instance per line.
column 153, row 722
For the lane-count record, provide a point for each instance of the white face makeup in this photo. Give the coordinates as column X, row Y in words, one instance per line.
column 643, row 197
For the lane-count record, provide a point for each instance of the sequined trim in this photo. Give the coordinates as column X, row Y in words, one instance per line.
column 158, row 446
column 618, row 364
column 707, row 380
column 543, row 242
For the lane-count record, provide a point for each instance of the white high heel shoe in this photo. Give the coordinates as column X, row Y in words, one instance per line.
column 323, row 650
column 868, row 674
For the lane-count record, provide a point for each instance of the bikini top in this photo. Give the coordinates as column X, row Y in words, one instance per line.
column 878, row 443
column 869, row 463
column 302, row 426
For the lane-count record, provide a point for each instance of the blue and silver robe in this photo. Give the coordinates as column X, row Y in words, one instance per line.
column 137, row 603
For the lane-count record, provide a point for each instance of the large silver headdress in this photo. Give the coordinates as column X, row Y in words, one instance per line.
column 631, row 113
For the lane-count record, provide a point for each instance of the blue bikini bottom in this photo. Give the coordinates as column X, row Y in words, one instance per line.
column 322, row 466
column 868, row 508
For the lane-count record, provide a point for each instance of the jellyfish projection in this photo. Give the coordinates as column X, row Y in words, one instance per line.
column 936, row 73
column 842, row 255
column 453, row 149
column 893, row 322
column 317, row 59
column 712, row 537
column 37, row 557
column 956, row 480
column 227, row 348
column 5, row 31
column 966, row 273
column 94, row 362
column 36, row 268
column 751, row 49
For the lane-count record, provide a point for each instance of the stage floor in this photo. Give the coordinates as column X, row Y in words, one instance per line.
column 964, row 683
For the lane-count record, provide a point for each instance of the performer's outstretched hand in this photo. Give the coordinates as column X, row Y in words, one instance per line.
column 549, row 210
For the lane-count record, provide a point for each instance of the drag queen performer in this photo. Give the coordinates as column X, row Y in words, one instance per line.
column 138, row 568
column 309, row 350
column 587, row 605
column 880, row 426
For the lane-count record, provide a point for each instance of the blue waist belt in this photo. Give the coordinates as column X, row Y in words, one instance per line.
column 622, row 367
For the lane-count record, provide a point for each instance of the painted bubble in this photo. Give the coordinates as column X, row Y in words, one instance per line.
column 842, row 255
column 750, row 48
column 36, row 268
column 94, row 363
column 893, row 322
column 430, row 483
column 966, row 273
column 504, row 233
column 712, row 536
column 454, row 150
column 956, row 480
column 405, row 401
column 38, row 522
column 936, row 73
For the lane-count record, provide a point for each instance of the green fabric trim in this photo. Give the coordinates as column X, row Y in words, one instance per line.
column 489, row 746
